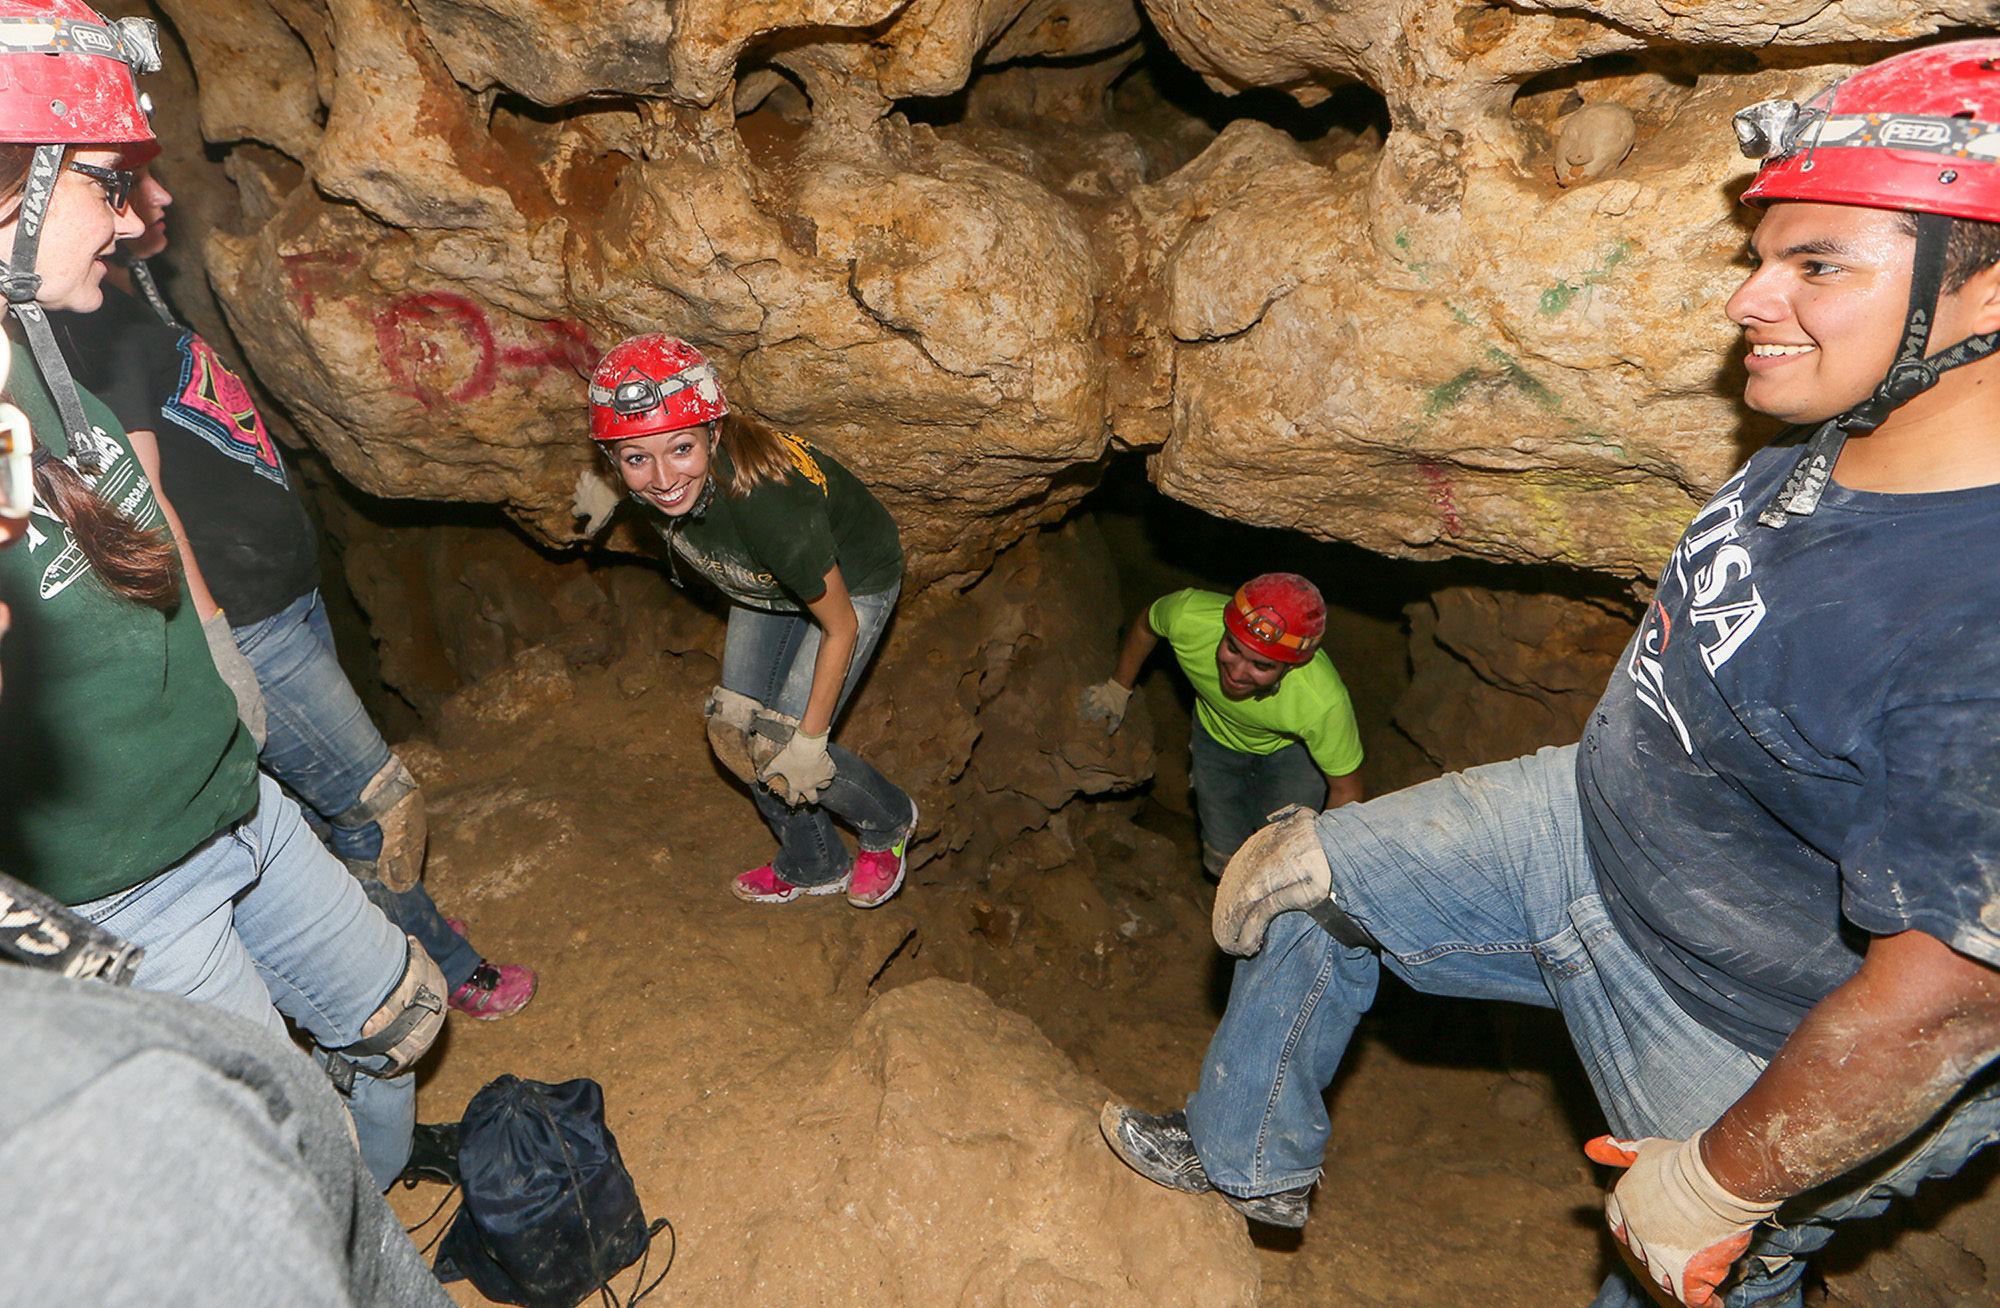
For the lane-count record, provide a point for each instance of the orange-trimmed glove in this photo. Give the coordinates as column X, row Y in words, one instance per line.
column 1678, row 1221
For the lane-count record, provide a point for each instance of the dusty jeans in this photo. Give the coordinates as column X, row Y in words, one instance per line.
column 1477, row 884
column 769, row 657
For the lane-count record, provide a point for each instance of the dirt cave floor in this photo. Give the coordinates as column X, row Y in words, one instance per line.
column 578, row 827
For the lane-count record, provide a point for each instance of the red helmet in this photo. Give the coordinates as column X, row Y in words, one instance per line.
column 1919, row 131
column 652, row 384
column 66, row 77
column 1277, row 616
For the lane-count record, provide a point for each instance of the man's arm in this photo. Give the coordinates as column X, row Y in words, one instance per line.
column 1138, row 647
column 1344, row 789
column 1869, row 1065
column 1105, row 702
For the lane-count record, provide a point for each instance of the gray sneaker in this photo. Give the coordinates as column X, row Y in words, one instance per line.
column 1160, row 1149
column 1157, row 1148
column 1285, row 1208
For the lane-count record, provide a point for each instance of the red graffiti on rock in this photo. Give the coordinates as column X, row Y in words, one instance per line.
column 1440, row 484
column 316, row 270
column 440, row 348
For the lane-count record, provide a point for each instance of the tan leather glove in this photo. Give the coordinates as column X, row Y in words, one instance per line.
column 1278, row 869
column 1678, row 1221
column 800, row 771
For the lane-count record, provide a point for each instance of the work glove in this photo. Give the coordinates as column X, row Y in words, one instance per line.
column 1105, row 702
column 237, row 674
column 1278, row 869
column 1678, row 1221
column 595, row 500
column 800, row 771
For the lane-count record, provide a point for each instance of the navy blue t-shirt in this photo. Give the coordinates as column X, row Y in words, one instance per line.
column 1801, row 748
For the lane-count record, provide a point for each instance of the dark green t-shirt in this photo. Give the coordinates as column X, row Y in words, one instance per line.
column 120, row 749
column 773, row 548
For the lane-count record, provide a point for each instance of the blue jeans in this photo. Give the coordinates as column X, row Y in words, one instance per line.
column 1235, row 792
column 260, row 920
column 1478, row 885
column 769, row 657
column 325, row 749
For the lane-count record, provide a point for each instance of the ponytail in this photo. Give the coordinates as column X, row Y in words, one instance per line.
column 758, row 454
column 140, row 566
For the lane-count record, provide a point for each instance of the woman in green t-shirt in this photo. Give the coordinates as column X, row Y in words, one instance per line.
column 131, row 790
column 812, row 567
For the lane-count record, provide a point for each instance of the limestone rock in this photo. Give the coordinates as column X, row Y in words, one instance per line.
column 1593, row 141
column 959, row 1164
column 956, row 242
column 1497, row 674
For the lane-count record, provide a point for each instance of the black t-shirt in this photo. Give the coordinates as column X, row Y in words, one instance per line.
column 1801, row 748
column 218, row 464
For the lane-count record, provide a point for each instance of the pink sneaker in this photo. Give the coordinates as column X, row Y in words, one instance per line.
column 878, row 874
column 763, row 885
column 494, row 992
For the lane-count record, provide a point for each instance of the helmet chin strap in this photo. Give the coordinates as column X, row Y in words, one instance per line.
column 1909, row 376
column 21, row 284
column 142, row 279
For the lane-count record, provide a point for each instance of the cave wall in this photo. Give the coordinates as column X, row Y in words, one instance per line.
column 971, row 246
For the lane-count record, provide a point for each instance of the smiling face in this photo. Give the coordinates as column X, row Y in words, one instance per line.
column 667, row 469
column 1824, row 309
column 1245, row 675
column 81, row 228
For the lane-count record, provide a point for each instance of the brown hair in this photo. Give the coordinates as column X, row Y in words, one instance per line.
column 1972, row 247
column 757, row 452
column 140, row 566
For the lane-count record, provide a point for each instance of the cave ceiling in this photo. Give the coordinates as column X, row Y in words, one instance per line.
column 1324, row 261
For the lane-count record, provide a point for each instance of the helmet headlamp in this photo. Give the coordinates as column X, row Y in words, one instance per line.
column 1773, row 129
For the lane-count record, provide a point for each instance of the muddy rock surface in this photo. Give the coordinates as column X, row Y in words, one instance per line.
column 971, row 245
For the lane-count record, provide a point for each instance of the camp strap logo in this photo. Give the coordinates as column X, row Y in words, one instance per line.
column 1709, row 579
column 214, row 404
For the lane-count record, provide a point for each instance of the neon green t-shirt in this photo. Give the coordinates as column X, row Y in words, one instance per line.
column 1310, row 705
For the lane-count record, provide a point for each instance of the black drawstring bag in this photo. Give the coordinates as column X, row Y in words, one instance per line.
column 549, row 1212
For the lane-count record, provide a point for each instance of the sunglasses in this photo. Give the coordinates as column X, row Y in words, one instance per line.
column 117, row 183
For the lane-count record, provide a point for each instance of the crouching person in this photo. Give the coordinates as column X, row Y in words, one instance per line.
column 1273, row 726
column 811, row 564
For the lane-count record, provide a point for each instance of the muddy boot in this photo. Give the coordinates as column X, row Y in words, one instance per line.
column 433, row 1154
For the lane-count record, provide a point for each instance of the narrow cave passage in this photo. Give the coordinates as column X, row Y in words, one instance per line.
column 966, row 271
column 1090, row 920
